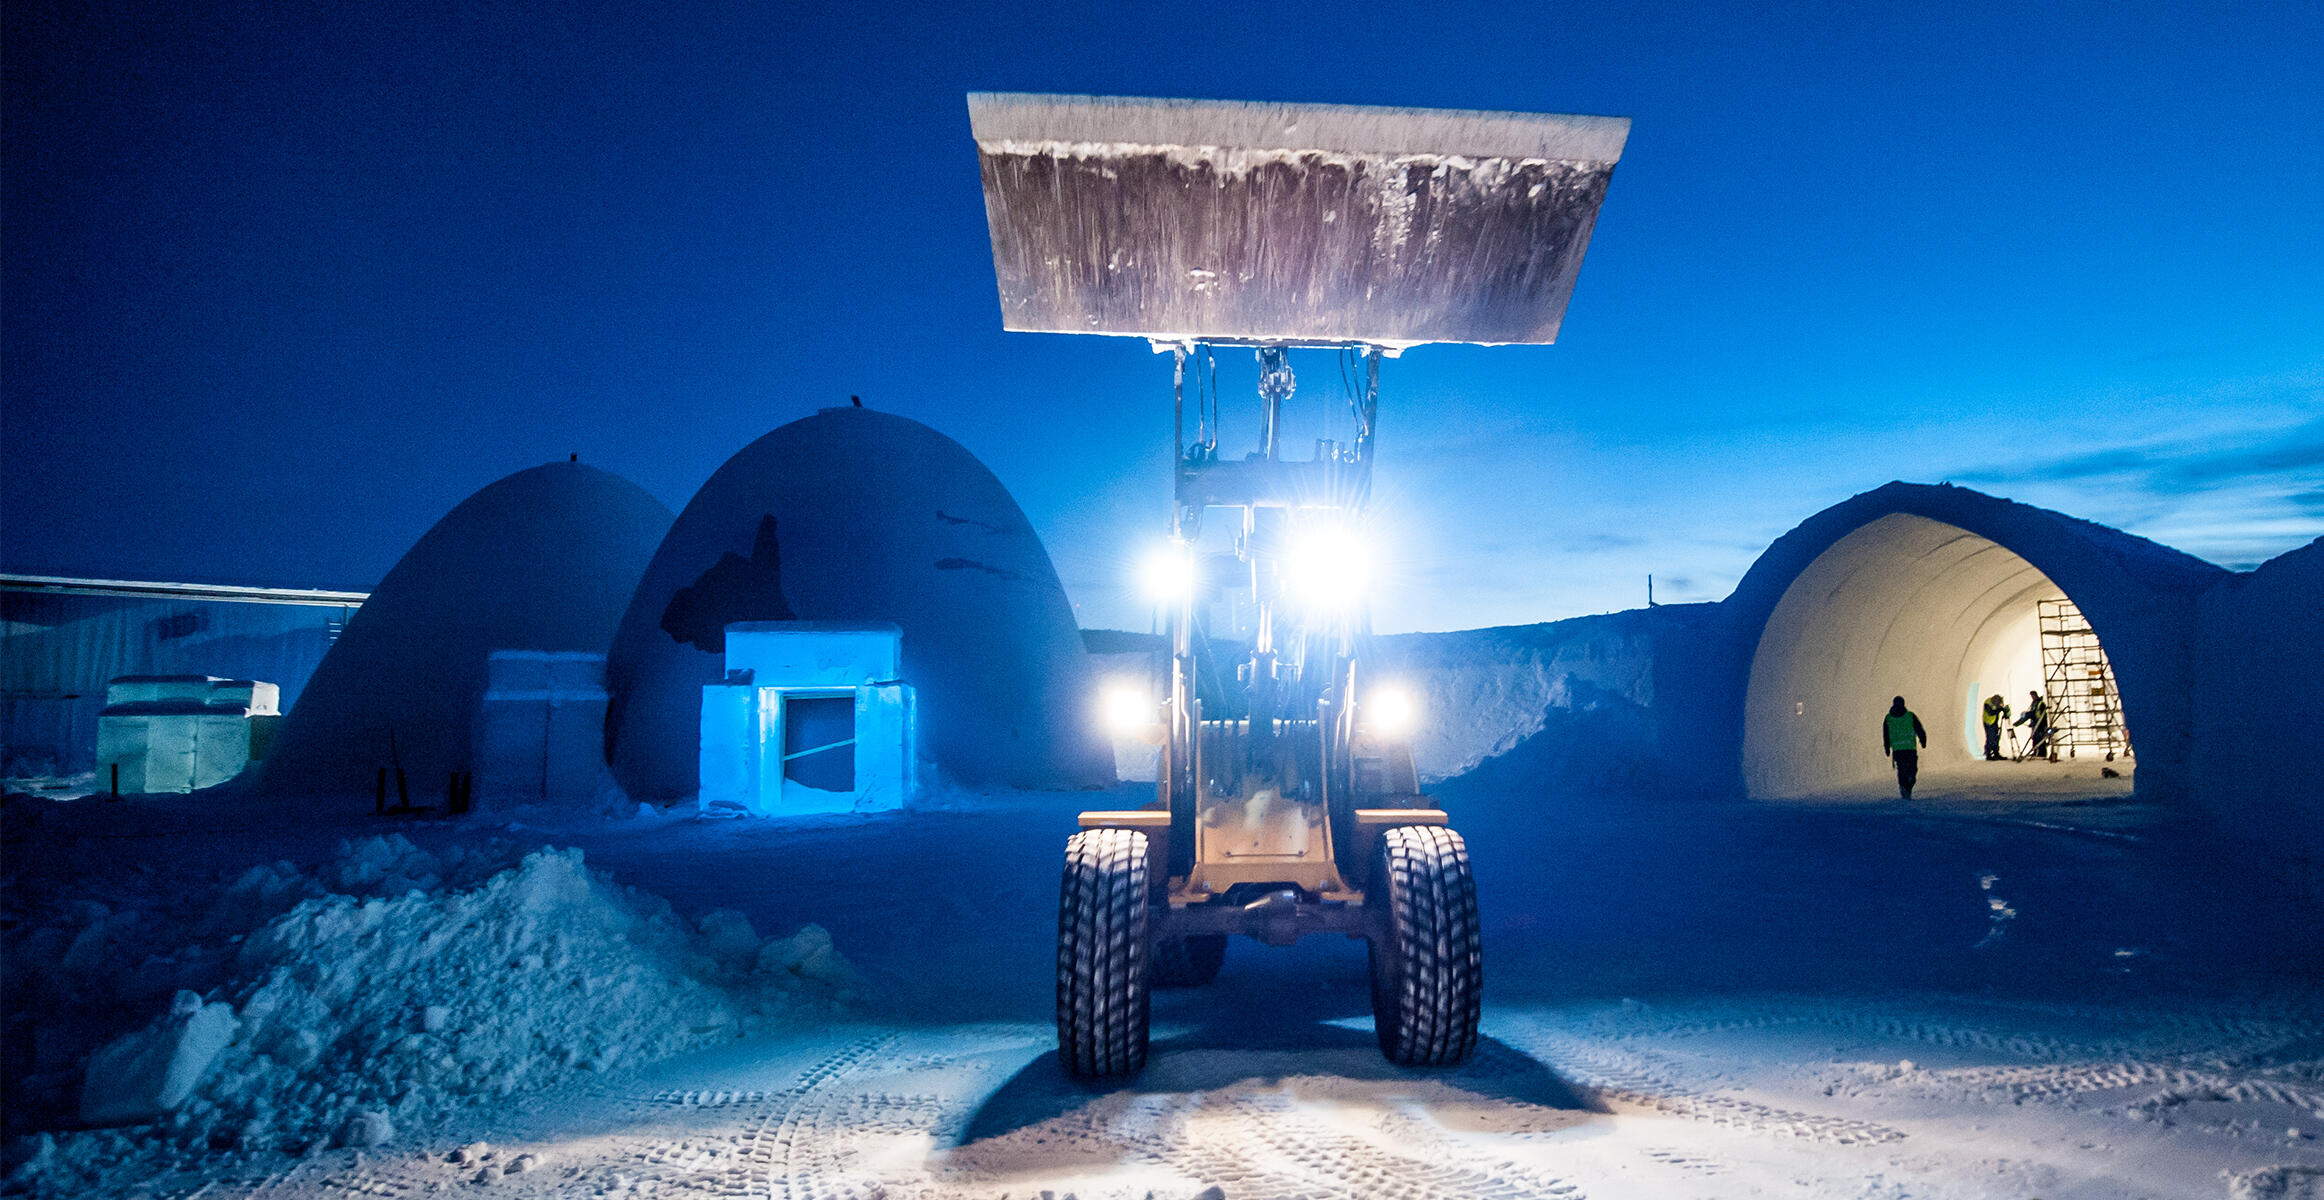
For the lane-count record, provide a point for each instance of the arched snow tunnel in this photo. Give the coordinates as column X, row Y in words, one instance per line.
column 1903, row 606
column 1933, row 593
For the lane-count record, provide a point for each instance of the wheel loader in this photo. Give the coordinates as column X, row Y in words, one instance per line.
column 1286, row 801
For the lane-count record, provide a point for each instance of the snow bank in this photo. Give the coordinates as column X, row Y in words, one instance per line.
column 148, row 1074
column 2258, row 658
column 1580, row 692
column 2276, row 1183
column 1483, row 692
column 368, row 997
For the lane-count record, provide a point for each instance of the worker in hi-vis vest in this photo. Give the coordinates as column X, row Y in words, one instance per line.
column 1898, row 730
column 1996, row 711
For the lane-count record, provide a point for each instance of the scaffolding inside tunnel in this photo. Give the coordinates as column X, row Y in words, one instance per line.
column 2085, row 707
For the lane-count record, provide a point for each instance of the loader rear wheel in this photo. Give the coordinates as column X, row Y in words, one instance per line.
column 1101, row 954
column 1190, row 961
column 1427, row 967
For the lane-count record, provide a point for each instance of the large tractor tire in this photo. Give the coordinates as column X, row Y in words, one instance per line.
column 1101, row 954
column 1427, row 967
column 1189, row 961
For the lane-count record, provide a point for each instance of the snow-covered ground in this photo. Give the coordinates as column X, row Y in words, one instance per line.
column 2057, row 993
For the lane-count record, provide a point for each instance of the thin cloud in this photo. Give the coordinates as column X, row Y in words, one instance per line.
column 2236, row 497
column 2181, row 465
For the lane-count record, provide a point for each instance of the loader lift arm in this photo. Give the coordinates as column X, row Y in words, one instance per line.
column 1286, row 801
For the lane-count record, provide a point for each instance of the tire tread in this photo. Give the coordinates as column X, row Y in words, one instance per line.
column 1102, row 979
column 1427, row 982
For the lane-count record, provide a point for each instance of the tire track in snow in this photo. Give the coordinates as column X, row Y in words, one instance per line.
column 1204, row 1161
column 2186, row 1040
column 1903, row 1023
column 2194, row 1038
column 1255, row 1140
column 2191, row 1056
column 2178, row 1084
column 800, row 1136
column 1627, row 1077
column 761, row 1161
column 1363, row 1169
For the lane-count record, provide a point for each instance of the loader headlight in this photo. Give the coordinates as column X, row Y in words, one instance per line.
column 1390, row 711
column 1128, row 710
column 1327, row 568
column 1166, row 574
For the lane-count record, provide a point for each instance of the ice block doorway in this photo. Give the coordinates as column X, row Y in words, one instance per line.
column 813, row 717
column 819, row 740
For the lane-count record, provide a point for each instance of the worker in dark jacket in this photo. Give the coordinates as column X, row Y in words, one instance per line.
column 1996, row 711
column 1898, row 730
column 2037, row 720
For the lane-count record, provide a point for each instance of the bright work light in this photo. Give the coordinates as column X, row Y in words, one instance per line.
column 1390, row 711
column 1327, row 567
column 1128, row 710
column 1166, row 574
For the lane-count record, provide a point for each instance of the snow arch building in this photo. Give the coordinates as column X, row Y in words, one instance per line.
column 543, row 561
column 1931, row 592
column 852, row 515
column 2259, row 655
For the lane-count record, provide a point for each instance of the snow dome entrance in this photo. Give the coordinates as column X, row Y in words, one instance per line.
column 1906, row 605
column 812, row 717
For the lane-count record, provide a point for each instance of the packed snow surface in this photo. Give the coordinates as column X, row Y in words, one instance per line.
column 1995, row 993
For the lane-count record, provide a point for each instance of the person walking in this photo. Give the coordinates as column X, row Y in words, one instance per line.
column 1996, row 711
column 1898, row 731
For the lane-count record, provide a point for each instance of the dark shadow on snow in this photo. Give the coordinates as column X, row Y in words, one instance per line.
column 1288, row 1014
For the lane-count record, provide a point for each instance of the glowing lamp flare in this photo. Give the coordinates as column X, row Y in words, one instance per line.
column 1328, row 568
column 1166, row 575
column 1390, row 711
column 1130, row 712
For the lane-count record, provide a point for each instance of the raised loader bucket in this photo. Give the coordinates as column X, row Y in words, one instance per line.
column 1206, row 220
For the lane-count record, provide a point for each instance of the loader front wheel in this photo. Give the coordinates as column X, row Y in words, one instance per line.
column 1101, row 954
column 1190, row 961
column 1427, row 967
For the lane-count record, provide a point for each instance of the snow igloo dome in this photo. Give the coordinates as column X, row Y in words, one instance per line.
column 543, row 560
column 856, row 515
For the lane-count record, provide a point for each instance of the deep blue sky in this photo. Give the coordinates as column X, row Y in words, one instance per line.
column 284, row 282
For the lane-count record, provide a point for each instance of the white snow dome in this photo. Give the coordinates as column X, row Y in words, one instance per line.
column 544, row 560
column 855, row 515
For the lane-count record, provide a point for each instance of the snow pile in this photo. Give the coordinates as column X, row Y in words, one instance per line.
column 2276, row 1183
column 369, row 997
column 1587, row 683
column 1481, row 692
column 149, row 1073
